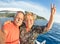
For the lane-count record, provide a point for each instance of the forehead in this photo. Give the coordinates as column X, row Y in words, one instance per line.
column 19, row 15
column 29, row 17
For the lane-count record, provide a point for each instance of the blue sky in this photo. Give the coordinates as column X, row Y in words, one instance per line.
column 40, row 7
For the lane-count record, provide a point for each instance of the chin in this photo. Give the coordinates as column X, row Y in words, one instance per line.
column 19, row 25
column 30, row 27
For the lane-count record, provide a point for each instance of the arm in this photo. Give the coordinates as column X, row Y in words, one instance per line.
column 51, row 20
column 2, row 37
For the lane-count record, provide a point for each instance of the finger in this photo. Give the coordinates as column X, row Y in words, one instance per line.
column 54, row 7
column 51, row 5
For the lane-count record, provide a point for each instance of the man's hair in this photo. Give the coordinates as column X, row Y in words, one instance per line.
column 19, row 12
column 30, row 14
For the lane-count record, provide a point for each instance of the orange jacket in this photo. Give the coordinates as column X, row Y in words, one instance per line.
column 12, row 33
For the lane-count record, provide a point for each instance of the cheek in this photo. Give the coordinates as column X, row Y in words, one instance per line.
column 16, row 20
column 26, row 22
column 31, row 22
column 20, row 21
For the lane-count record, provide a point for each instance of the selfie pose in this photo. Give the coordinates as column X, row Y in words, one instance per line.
column 29, row 33
column 11, row 29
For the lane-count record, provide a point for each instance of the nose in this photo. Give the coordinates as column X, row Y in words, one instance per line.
column 18, row 20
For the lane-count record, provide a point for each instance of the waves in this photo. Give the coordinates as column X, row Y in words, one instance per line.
column 51, row 37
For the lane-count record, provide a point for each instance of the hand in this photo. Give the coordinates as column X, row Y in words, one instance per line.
column 53, row 9
column 7, row 22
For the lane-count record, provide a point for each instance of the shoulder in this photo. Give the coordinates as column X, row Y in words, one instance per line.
column 38, row 29
column 23, row 26
column 7, row 22
column 6, row 26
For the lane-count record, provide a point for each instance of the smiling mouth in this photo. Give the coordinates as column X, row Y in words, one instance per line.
column 17, row 22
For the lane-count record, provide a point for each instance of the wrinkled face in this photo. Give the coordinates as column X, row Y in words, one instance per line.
column 29, row 21
column 19, row 19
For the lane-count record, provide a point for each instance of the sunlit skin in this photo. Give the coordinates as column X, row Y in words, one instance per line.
column 29, row 22
column 18, row 19
column 2, row 37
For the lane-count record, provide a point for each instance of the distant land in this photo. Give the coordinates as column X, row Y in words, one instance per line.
column 8, row 13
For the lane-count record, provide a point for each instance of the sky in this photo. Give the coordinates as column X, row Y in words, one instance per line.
column 40, row 7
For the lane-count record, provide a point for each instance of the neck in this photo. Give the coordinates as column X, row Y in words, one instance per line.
column 28, row 29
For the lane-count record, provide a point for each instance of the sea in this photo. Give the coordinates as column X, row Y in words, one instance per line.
column 50, row 37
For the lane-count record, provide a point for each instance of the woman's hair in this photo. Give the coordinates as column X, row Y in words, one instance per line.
column 29, row 14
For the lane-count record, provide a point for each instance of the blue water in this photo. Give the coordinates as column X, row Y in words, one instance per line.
column 51, row 37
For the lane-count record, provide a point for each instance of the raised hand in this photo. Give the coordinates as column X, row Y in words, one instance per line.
column 53, row 9
column 7, row 22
